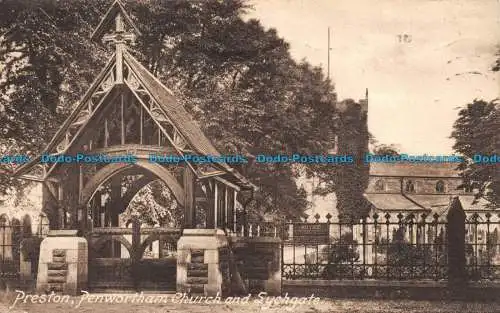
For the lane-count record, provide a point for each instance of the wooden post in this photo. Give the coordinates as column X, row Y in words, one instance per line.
column 457, row 274
column 60, row 211
column 216, row 204
column 122, row 120
column 115, row 195
column 141, row 126
column 209, row 204
column 161, row 244
column 120, row 46
column 106, row 133
column 136, row 250
column 226, row 206
column 189, row 203
column 234, row 211
column 80, row 182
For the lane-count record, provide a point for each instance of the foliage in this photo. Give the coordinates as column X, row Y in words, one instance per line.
column 237, row 78
column 407, row 259
column 480, row 260
column 383, row 149
column 45, row 66
column 349, row 181
column 250, row 97
column 476, row 133
column 154, row 205
column 341, row 255
column 496, row 66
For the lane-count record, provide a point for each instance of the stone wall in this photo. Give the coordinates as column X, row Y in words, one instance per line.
column 423, row 185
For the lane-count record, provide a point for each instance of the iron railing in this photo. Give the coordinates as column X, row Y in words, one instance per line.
column 482, row 246
column 12, row 233
column 389, row 247
column 383, row 246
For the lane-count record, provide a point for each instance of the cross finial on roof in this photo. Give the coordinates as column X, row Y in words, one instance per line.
column 116, row 13
column 119, row 36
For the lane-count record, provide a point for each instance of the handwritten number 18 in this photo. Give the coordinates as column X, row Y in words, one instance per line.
column 404, row 38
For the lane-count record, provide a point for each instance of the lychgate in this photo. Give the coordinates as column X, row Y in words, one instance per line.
column 126, row 115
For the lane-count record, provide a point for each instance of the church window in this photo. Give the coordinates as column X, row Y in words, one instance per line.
column 410, row 186
column 440, row 186
column 380, row 185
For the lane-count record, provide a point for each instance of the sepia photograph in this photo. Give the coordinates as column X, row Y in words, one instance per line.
column 249, row 156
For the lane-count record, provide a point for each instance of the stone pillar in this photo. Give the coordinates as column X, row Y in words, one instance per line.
column 29, row 252
column 202, row 265
column 457, row 273
column 25, row 265
column 259, row 262
column 63, row 263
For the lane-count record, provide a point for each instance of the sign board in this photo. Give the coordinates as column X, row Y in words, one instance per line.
column 311, row 233
column 63, row 233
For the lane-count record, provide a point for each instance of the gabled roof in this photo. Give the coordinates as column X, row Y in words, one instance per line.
column 172, row 108
column 71, row 118
column 178, row 114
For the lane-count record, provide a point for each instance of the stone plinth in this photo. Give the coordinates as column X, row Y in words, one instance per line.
column 63, row 263
column 202, row 262
column 259, row 263
column 29, row 252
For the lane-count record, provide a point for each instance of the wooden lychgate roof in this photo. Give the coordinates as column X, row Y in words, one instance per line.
column 124, row 73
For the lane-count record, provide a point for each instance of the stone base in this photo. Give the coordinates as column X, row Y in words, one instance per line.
column 260, row 259
column 63, row 265
column 202, row 264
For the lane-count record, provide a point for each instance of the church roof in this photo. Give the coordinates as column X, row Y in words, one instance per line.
column 392, row 202
column 439, row 204
column 412, row 169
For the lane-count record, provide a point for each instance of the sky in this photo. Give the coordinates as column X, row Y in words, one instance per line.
column 415, row 87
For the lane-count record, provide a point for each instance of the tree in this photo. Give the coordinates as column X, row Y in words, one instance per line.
column 496, row 66
column 348, row 181
column 476, row 133
column 383, row 149
column 46, row 64
column 241, row 83
column 155, row 205
column 236, row 78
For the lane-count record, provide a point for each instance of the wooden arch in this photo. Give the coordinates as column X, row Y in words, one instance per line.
column 137, row 186
column 99, row 243
column 152, row 238
column 112, row 169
